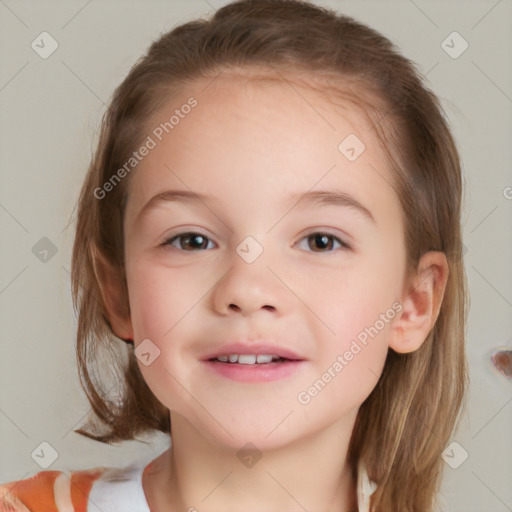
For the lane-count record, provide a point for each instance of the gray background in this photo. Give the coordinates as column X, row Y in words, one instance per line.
column 50, row 112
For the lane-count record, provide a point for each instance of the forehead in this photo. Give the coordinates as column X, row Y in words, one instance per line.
column 296, row 100
column 259, row 130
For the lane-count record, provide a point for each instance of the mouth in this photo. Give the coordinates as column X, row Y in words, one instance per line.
column 251, row 353
column 253, row 362
column 249, row 359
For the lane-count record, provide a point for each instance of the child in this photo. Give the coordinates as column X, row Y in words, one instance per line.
column 271, row 222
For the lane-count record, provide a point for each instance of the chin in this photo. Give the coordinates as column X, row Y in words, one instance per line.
column 263, row 433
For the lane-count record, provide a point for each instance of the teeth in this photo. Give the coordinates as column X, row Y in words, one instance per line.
column 248, row 358
column 263, row 358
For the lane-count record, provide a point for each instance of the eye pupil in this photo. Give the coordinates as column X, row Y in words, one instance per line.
column 322, row 241
column 195, row 241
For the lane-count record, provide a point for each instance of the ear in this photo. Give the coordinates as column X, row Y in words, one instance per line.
column 115, row 296
column 421, row 302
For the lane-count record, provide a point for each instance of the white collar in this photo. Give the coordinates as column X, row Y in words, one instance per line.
column 121, row 489
column 365, row 488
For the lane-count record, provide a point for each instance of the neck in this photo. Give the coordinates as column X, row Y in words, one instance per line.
column 198, row 474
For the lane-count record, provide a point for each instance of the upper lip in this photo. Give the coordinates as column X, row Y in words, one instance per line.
column 252, row 348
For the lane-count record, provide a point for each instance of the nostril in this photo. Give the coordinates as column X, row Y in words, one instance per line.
column 238, row 308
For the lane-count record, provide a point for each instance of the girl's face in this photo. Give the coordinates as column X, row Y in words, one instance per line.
column 230, row 255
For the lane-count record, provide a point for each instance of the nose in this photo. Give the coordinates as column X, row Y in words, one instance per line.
column 248, row 288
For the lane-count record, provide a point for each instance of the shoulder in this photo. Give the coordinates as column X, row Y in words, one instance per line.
column 49, row 491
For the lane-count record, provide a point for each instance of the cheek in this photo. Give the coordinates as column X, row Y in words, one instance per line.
column 159, row 302
column 160, row 297
column 357, row 308
column 349, row 363
column 360, row 346
column 355, row 298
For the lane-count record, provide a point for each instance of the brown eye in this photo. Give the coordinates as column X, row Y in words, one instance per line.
column 189, row 242
column 320, row 242
column 324, row 242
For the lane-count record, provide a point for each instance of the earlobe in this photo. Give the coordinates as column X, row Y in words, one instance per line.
column 421, row 303
column 114, row 294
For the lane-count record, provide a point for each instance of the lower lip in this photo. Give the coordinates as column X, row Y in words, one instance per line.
column 254, row 372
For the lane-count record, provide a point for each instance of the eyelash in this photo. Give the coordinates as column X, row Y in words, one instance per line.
column 190, row 234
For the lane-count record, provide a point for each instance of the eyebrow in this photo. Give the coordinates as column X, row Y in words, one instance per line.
column 319, row 197
column 335, row 198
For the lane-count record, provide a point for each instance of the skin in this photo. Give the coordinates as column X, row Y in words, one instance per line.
column 249, row 144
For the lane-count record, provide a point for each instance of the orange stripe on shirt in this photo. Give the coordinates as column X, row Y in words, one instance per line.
column 36, row 493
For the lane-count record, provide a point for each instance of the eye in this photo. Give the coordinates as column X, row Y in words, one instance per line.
column 324, row 242
column 189, row 242
column 316, row 242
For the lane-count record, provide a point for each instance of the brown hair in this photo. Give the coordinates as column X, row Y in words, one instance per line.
column 405, row 423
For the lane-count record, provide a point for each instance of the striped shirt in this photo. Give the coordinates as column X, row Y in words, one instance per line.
column 103, row 490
